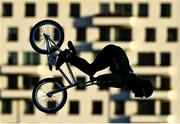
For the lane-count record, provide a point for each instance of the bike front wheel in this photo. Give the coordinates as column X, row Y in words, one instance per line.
column 45, row 103
column 46, row 36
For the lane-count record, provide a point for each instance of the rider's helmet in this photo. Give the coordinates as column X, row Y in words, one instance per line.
column 143, row 88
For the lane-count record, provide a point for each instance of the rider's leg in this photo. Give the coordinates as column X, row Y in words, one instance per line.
column 109, row 56
column 81, row 64
column 116, row 80
column 102, row 61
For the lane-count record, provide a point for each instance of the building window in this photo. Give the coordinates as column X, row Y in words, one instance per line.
column 82, row 80
column 104, row 8
column 12, row 58
column 97, row 108
column 165, row 83
column 74, row 107
column 29, row 81
column 75, row 10
column 146, row 107
column 51, row 104
column 165, row 59
column 7, row 10
column 29, row 107
column 12, row 81
column 143, row 10
column 119, row 107
column 31, row 58
column 104, row 33
column 12, row 34
column 172, row 34
column 146, row 59
column 52, row 10
column 165, row 10
column 30, row 10
column 81, row 34
column 6, row 106
column 124, row 10
column 123, row 34
column 165, row 107
column 150, row 34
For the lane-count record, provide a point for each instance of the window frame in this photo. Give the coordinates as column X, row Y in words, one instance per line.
column 50, row 7
column 28, row 103
column 165, row 83
column 32, row 56
column 7, row 10
column 124, row 9
column 172, row 34
column 119, row 108
column 13, row 34
column 165, row 56
column 150, row 35
column 12, row 78
column 166, row 14
column 97, row 104
column 104, row 30
column 165, row 104
column 126, row 32
column 12, row 58
column 102, row 10
column 74, row 109
column 6, row 109
column 28, row 7
column 145, row 55
column 81, row 34
column 75, row 10
column 140, row 7
column 147, row 110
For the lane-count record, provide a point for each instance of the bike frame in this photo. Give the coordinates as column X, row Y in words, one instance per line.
column 72, row 82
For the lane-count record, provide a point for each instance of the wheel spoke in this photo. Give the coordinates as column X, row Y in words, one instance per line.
column 49, row 103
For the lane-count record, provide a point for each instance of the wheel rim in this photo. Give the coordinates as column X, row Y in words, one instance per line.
column 40, row 36
column 45, row 102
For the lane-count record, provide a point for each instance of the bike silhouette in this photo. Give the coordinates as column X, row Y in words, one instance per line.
column 50, row 94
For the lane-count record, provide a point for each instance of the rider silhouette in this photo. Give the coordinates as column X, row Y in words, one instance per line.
column 122, row 75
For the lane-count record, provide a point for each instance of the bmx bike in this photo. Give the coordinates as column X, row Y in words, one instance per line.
column 50, row 94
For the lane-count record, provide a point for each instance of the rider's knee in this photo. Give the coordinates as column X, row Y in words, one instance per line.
column 110, row 47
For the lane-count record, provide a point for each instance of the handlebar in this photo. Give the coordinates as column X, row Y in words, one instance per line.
column 52, row 58
column 71, row 47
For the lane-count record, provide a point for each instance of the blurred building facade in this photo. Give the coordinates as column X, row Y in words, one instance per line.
column 148, row 30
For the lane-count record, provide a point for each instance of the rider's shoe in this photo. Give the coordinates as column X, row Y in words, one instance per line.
column 141, row 88
column 64, row 56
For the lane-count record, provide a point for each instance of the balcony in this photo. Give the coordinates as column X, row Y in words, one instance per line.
column 19, row 69
column 111, row 19
column 120, row 119
column 148, row 118
column 99, row 45
column 153, row 70
column 16, row 93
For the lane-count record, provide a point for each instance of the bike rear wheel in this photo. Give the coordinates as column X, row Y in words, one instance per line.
column 45, row 103
column 46, row 36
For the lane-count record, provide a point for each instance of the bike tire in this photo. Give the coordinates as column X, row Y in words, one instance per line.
column 36, row 28
column 37, row 88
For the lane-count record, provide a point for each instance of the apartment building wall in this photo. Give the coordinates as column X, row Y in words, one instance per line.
column 117, row 105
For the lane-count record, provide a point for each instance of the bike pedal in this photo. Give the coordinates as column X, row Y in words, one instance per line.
column 81, row 84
